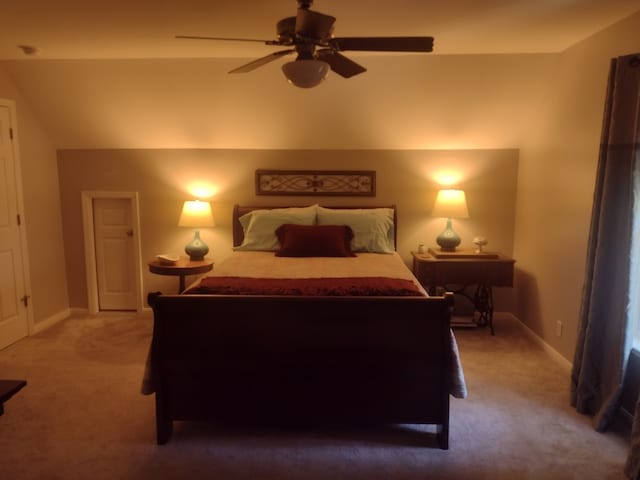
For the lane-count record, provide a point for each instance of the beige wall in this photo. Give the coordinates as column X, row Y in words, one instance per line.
column 555, row 185
column 41, row 210
column 162, row 178
column 136, row 126
column 441, row 104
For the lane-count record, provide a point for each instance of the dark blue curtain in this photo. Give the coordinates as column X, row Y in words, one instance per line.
column 604, row 339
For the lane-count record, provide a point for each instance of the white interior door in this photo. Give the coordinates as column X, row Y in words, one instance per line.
column 14, row 323
column 115, row 259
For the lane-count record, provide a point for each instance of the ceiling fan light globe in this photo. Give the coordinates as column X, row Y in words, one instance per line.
column 305, row 73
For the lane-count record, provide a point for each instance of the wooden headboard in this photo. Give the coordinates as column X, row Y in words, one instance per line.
column 239, row 210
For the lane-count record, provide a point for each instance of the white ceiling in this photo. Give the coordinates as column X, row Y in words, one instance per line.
column 120, row 29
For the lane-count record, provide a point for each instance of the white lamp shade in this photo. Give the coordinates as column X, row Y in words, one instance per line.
column 196, row 213
column 305, row 73
column 450, row 203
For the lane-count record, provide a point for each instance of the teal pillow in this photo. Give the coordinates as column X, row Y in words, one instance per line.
column 260, row 226
column 373, row 229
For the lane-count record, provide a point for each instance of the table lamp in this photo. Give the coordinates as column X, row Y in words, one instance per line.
column 196, row 213
column 450, row 203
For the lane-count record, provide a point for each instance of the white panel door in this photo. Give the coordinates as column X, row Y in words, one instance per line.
column 13, row 313
column 115, row 261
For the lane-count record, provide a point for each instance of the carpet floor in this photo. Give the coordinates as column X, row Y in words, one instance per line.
column 81, row 416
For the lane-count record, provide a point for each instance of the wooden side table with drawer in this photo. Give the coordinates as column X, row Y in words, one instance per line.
column 465, row 267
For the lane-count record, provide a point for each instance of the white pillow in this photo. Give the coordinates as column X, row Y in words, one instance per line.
column 373, row 229
column 260, row 226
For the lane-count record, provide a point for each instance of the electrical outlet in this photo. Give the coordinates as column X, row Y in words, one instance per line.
column 558, row 328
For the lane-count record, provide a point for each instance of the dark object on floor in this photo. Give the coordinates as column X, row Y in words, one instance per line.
column 8, row 388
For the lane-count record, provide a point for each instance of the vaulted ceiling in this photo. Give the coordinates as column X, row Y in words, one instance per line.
column 110, row 74
column 81, row 29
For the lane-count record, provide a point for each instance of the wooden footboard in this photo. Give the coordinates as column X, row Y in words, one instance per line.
column 301, row 360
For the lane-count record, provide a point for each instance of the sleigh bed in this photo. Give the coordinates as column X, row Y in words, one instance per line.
column 314, row 319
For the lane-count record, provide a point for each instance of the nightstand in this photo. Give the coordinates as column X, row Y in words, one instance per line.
column 181, row 268
column 465, row 267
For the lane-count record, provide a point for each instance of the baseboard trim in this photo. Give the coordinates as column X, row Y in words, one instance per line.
column 557, row 357
column 51, row 321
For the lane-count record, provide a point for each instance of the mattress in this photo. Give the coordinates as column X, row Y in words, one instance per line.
column 266, row 265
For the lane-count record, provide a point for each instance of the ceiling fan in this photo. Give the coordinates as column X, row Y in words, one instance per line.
column 309, row 34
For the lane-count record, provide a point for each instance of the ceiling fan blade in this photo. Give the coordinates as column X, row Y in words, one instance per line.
column 310, row 24
column 339, row 63
column 261, row 61
column 383, row 44
column 266, row 42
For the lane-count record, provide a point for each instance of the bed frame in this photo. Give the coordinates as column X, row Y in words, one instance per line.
column 301, row 360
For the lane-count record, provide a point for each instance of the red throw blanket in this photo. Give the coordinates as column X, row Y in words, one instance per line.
column 352, row 286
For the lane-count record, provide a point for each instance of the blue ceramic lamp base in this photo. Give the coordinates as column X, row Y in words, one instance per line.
column 448, row 240
column 196, row 248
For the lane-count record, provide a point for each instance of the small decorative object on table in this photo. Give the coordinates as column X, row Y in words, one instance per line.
column 166, row 259
column 480, row 242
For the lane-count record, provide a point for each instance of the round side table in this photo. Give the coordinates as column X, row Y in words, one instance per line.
column 181, row 268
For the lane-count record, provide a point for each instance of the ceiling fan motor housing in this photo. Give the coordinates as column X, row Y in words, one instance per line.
column 286, row 29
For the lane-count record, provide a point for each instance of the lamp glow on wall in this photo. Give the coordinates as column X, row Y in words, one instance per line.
column 450, row 203
column 196, row 214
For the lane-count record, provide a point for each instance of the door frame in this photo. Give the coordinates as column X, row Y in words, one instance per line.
column 17, row 165
column 90, row 245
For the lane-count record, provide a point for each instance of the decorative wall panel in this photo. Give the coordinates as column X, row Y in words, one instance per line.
column 316, row 182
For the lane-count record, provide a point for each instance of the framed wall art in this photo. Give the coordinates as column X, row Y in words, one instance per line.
column 316, row 182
